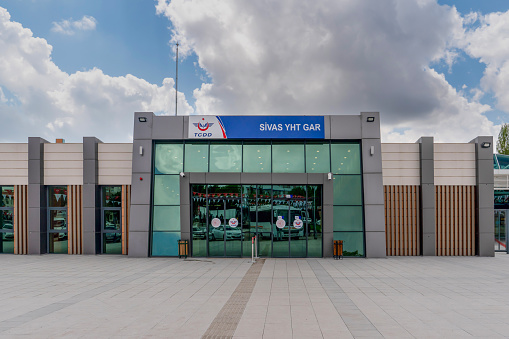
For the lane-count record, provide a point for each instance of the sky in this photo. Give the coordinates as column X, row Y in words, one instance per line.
column 78, row 68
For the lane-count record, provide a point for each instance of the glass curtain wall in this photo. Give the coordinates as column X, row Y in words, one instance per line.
column 57, row 219
column 111, row 217
column 7, row 219
column 168, row 163
column 347, row 203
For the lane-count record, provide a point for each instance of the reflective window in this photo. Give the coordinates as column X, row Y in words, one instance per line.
column 353, row 243
column 7, row 242
column 112, row 220
column 196, row 157
column 6, row 220
column 225, row 157
column 112, row 196
column 167, row 190
column 165, row 243
column 347, row 190
column 7, row 196
column 348, row 218
column 58, row 220
column 112, row 243
column 287, row 158
column 257, row 158
column 345, row 158
column 57, row 196
column 317, row 158
column 169, row 158
column 57, row 243
column 166, row 218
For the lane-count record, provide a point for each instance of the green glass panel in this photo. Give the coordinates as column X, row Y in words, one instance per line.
column 315, row 245
column 197, row 157
column 199, row 229
column 112, row 220
column 257, row 158
column 58, row 220
column 167, row 190
column 57, row 242
column 347, row 190
column 264, row 220
column 7, row 242
column 348, row 218
column 345, row 158
column 6, row 220
column 166, row 218
column 317, row 158
column 169, row 158
column 248, row 218
column 112, row 243
column 353, row 243
column 7, row 196
column 288, row 158
column 112, row 196
column 165, row 244
column 314, row 216
column 225, row 157
column 57, row 196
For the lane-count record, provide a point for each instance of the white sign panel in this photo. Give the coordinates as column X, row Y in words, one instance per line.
column 297, row 223
column 205, row 127
column 215, row 222
column 233, row 222
column 280, row 223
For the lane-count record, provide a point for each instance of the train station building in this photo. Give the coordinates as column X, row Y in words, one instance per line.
column 295, row 182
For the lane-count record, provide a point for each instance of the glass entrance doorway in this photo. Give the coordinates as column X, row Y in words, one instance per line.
column 501, row 231
column 286, row 219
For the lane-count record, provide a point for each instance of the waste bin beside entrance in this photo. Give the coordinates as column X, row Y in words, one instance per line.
column 183, row 248
column 338, row 249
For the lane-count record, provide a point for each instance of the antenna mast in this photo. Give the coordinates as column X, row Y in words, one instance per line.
column 177, row 79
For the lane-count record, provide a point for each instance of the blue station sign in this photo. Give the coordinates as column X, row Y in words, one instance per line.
column 256, row 127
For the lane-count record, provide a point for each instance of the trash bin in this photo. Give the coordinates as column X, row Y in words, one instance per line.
column 338, row 249
column 183, row 248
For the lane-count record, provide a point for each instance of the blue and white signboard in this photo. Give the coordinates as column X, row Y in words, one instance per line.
column 256, row 127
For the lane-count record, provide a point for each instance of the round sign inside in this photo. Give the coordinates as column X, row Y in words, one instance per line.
column 233, row 222
column 280, row 223
column 297, row 223
column 215, row 222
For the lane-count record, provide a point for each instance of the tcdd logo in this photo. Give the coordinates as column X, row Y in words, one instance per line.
column 203, row 126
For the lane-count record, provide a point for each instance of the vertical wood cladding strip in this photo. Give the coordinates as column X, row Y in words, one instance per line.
column 20, row 227
column 74, row 219
column 402, row 222
column 455, row 220
column 126, row 205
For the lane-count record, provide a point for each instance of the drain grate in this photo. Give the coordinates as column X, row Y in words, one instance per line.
column 225, row 323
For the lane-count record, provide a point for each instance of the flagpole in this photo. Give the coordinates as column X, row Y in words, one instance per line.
column 177, row 79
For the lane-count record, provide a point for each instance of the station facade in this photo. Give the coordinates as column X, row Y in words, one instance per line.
column 295, row 182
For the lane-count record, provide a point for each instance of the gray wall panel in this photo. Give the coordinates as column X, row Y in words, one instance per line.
column 35, row 172
column 168, row 128
column 34, row 242
column 289, row 178
column 370, row 129
column 327, row 244
column 256, row 178
column 371, row 163
column 326, row 126
column 372, row 221
column 36, row 199
column 373, row 189
column 427, row 174
column 428, row 190
column 196, row 178
column 140, row 189
column 185, row 197
column 89, row 238
column 345, row 127
column 140, row 218
column 185, row 221
column 486, row 244
column 375, row 245
column 143, row 130
column 316, row 178
column 327, row 219
column 142, row 162
column 486, row 174
column 138, row 244
column 222, row 178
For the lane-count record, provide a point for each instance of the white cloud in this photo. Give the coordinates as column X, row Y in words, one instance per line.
column 490, row 44
column 330, row 57
column 53, row 104
column 69, row 27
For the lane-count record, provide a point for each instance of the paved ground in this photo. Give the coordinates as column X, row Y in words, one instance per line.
column 55, row 296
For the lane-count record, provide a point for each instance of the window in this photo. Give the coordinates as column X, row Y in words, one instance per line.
column 57, row 219
column 111, row 216
column 7, row 219
column 287, row 158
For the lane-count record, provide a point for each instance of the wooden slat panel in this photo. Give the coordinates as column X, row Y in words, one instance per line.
column 20, row 227
column 126, row 206
column 74, row 219
column 402, row 223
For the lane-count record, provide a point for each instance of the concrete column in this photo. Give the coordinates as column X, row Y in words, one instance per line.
column 37, row 218
column 427, row 172
column 91, row 197
column 139, row 224
column 484, row 196
column 374, row 218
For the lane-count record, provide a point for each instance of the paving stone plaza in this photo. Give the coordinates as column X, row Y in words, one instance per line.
column 54, row 296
